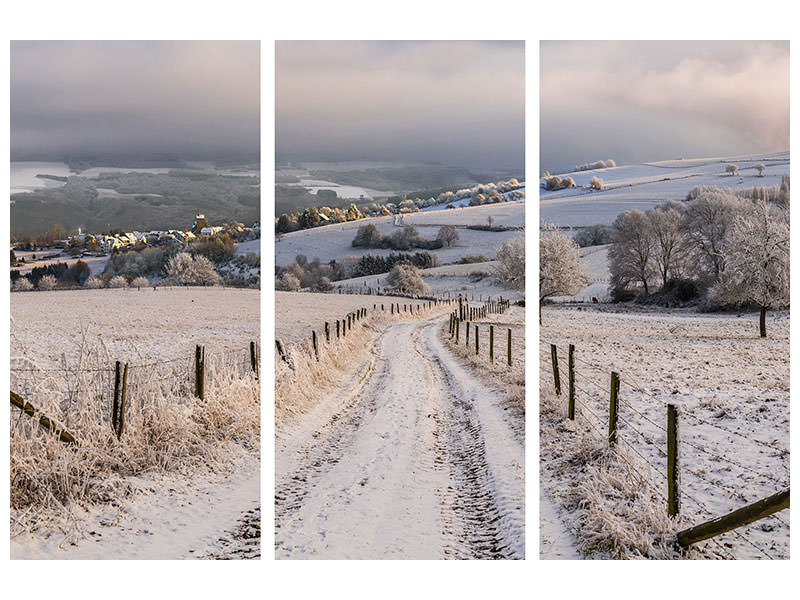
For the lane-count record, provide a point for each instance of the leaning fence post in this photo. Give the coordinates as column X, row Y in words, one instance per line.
column 115, row 405
column 280, row 350
column 556, row 376
column 673, row 462
column 491, row 344
column 612, row 411
column 121, row 418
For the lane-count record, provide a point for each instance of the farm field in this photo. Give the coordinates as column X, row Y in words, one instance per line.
column 145, row 479
column 647, row 185
column 333, row 242
column 732, row 391
column 130, row 324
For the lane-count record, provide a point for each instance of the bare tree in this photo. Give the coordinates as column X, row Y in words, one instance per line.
column 559, row 265
column 447, row 235
column 665, row 226
column 706, row 221
column 631, row 256
column 757, row 255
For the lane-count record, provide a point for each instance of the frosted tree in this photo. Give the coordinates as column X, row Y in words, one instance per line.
column 706, row 221
column 140, row 282
column 184, row 269
column 95, row 283
column 732, row 169
column 756, row 252
column 596, row 183
column 118, row 281
column 405, row 278
column 631, row 256
column 665, row 227
column 510, row 270
column 23, row 284
column 559, row 265
column 48, row 282
column 761, row 167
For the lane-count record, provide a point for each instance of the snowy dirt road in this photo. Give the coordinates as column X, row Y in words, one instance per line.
column 413, row 458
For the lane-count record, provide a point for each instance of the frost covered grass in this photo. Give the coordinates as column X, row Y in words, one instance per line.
column 302, row 381
column 166, row 429
column 497, row 373
column 615, row 509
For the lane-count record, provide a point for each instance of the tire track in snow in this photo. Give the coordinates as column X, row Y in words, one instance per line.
column 412, row 466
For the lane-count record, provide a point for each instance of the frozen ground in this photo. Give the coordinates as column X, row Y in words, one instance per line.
column 168, row 517
column 732, row 391
column 131, row 324
column 475, row 280
column 96, row 263
column 412, row 457
column 333, row 242
column 644, row 186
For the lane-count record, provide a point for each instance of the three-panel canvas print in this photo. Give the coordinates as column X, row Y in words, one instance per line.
column 395, row 382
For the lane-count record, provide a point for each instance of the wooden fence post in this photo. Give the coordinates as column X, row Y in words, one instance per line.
column 738, row 518
column 466, row 341
column 491, row 344
column 509, row 346
column 314, row 344
column 280, row 349
column 571, row 361
column 476, row 340
column 121, row 417
column 115, row 404
column 458, row 328
column 612, row 411
column 556, row 374
column 327, row 333
column 44, row 421
column 673, row 462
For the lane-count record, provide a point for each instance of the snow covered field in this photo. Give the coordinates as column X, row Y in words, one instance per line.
column 333, row 242
column 183, row 479
column 130, row 324
column 644, row 186
column 732, row 391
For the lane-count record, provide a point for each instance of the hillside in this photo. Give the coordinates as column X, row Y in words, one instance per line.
column 646, row 185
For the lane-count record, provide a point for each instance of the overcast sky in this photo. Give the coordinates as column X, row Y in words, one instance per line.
column 195, row 99
column 643, row 101
column 456, row 103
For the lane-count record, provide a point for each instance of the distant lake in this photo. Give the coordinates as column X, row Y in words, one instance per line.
column 23, row 175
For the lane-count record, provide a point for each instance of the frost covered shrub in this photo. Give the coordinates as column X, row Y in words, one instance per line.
column 732, row 169
column 48, row 282
column 118, row 281
column 22, row 284
column 600, row 164
column 405, row 278
column 95, row 283
column 554, row 182
column 140, row 282
column 596, row 183
column 761, row 167
column 184, row 269
column 288, row 282
column 510, row 272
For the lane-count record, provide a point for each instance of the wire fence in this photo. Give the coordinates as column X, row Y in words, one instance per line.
column 646, row 439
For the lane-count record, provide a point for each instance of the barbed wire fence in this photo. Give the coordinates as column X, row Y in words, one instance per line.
column 628, row 422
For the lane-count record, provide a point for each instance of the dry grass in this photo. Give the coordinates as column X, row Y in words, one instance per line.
column 497, row 373
column 303, row 381
column 616, row 508
column 166, row 429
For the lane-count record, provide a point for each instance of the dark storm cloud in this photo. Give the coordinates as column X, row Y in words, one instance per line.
column 456, row 103
column 193, row 99
column 641, row 101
